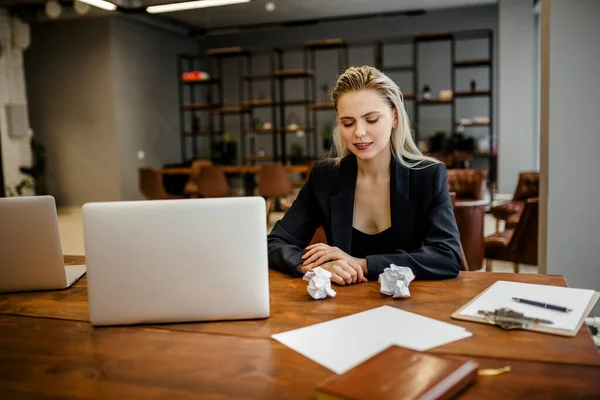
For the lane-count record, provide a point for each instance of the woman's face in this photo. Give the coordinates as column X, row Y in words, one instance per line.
column 366, row 122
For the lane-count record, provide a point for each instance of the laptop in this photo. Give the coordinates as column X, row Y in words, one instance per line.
column 31, row 255
column 167, row 261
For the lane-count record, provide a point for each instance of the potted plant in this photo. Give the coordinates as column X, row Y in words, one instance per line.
column 438, row 140
column 36, row 172
column 327, row 135
column 229, row 149
column 296, row 154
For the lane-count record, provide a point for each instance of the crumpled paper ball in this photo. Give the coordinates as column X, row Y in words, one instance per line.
column 319, row 283
column 395, row 280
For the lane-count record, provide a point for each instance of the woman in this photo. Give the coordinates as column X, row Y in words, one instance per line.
column 381, row 201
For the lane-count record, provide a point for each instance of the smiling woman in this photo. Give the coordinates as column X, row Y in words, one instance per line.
column 381, row 201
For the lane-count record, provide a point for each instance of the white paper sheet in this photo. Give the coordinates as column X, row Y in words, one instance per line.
column 500, row 295
column 343, row 343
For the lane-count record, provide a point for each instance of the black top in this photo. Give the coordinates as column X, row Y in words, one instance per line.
column 424, row 232
column 364, row 245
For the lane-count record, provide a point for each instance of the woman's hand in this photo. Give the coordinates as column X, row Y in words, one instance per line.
column 320, row 253
column 344, row 272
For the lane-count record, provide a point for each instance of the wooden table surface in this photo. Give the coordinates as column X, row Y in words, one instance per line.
column 48, row 349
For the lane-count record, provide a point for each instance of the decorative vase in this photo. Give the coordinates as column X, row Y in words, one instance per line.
column 427, row 92
column 473, row 85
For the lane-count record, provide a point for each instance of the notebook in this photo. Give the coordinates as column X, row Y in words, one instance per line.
column 400, row 373
column 501, row 293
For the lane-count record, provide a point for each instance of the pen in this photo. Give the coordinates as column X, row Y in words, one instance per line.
column 543, row 305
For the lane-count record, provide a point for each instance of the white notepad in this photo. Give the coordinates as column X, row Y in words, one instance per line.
column 343, row 343
column 500, row 295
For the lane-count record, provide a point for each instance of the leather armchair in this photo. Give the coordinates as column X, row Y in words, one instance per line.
column 518, row 245
column 468, row 184
column 527, row 187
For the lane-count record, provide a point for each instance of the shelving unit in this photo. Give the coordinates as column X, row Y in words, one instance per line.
column 195, row 100
column 281, row 75
column 460, row 64
column 254, row 104
column 205, row 98
column 343, row 61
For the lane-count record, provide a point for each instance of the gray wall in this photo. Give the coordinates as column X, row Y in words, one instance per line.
column 145, row 103
column 15, row 150
column 69, row 74
column 516, row 140
column 102, row 89
column 434, row 60
column 573, row 215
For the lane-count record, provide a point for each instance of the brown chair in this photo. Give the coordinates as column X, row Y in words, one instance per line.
column 468, row 184
column 191, row 187
column 518, row 245
column 211, row 182
column 319, row 237
column 151, row 185
column 527, row 187
column 274, row 183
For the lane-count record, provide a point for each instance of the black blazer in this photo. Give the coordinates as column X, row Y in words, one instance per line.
column 423, row 223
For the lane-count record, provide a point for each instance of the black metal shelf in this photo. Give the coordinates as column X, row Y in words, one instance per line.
column 321, row 106
column 399, row 68
column 202, row 82
column 434, row 102
column 258, row 77
column 476, row 63
column 476, row 93
column 292, row 73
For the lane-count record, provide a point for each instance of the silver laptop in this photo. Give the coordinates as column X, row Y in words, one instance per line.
column 31, row 255
column 167, row 261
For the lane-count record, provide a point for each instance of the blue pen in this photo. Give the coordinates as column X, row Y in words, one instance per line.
column 543, row 305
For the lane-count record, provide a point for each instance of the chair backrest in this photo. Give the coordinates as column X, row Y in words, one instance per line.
column 197, row 165
column 467, row 183
column 273, row 181
column 319, row 236
column 524, row 241
column 212, row 182
column 463, row 257
column 528, row 186
column 151, row 185
column 191, row 186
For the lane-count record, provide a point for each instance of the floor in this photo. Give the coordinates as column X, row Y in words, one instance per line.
column 71, row 233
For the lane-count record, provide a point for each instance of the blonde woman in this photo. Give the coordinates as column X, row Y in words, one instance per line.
column 380, row 202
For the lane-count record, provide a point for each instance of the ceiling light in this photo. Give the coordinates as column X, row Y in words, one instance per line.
column 80, row 7
column 105, row 5
column 53, row 9
column 189, row 5
column 270, row 6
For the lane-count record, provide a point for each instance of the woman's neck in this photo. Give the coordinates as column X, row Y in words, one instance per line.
column 377, row 168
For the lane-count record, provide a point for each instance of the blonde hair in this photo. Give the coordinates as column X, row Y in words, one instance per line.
column 403, row 147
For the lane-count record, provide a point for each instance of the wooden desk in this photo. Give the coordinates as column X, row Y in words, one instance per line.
column 60, row 354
